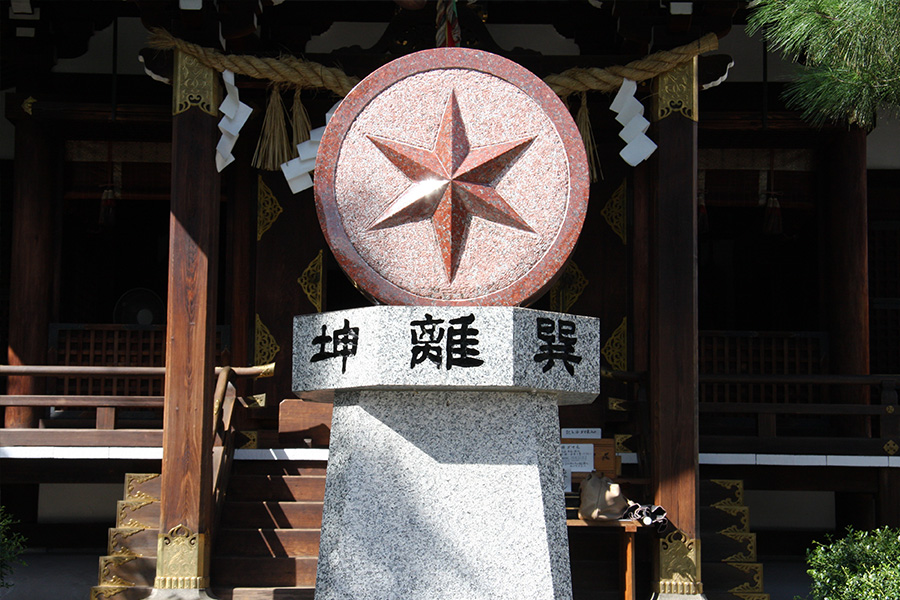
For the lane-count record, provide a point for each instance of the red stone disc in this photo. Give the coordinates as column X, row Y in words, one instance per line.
column 451, row 177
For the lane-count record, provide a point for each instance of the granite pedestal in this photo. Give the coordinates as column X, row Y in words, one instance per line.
column 444, row 478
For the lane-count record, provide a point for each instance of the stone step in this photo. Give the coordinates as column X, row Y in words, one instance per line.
column 268, row 593
column 120, row 592
column 268, row 542
column 137, row 514
column 242, row 571
column 142, row 486
column 273, row 515
column 729, row 547
column 300, row 420
column 731, row 577
column 714, row 491
column 278, row 467
column 276, row 487
column 724, row 518
column 123, row 569
column 129, row 540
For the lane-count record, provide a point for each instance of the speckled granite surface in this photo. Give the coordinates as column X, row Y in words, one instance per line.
column 432, row 347
column 444, row 495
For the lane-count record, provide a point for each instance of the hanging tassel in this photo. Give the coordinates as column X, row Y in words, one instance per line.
column 583, row 121
column 273, row 148
column 300, row 124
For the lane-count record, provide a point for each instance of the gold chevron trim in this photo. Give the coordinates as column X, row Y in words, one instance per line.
column 621, row 438
column 737, row 485
column 753, row 569
column 616, row 214
column 311, row 281
column 568, row 289
column 135, row 479
column 615, row 350
column 267, row 207
column 749, row 541
column 266, row 346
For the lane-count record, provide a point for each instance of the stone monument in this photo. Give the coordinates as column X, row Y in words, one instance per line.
column 451, row 185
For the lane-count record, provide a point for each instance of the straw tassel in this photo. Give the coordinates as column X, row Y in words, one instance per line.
column 273, row 148
column 300, row 124
column 583, row 121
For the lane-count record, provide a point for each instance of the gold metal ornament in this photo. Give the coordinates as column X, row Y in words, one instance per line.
column 182, row 561
column 679, row 565
column 132, row 480
column 107, row 563
column 621, row 438
column 753, row 569
column 28, row 103
column 615, row 212
column 252, row 440
column 107, row 592
column 267, row 208
column 748, row 540
column 615, row 350
column 676, row 92
column 266, row 346
column 735, row 485
column 195, row 85
column 123, row 518
column 311, row 281
column 568, row 289
column 891, row 447
column 617, row 404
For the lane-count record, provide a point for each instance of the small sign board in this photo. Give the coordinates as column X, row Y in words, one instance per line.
column 584, row 433
column 578, row 457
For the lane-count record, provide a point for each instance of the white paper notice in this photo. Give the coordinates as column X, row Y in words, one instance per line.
column 578, row 458
column 581, row 433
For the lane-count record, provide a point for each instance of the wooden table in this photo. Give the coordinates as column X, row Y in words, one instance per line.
column 626, row 549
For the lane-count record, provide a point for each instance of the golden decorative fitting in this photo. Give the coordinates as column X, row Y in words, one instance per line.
column 256, row 401
column 268, row 370
column 28, row 103
column 749, row 540
column 107, row 577
column 134, row 479
column 742, row 512
column 891, row 447
column 117, row 537
column 679, row 565
column 752, row 595
column 621, row 438
column 753, row 569
column 195, row 85
column 676, row 92
column 266, row 346
column 105, row 592
column 889, row 410
column 733, row 484
column 123, row 507
column 311, row 281
column 615, row 350
column 568, row 289
column 617, row 404
column 182, row 561
column 615, row 213
column 252, row 440
column 267, row 208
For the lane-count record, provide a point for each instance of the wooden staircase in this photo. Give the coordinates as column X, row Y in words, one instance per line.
column 730, row 568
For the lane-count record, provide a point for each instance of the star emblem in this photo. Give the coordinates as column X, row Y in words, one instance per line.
column 451, row 184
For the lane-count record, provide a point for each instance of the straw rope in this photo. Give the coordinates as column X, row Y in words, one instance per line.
column 301, row 73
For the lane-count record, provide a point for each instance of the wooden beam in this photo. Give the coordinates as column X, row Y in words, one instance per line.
column 186, row 498
column 31, row 274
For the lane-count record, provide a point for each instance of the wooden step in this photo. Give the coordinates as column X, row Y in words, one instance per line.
column 269, row 593
column 120, row 592
column 273, row 515
column 123, row 569
column 142, row 486
column 268, row 542
column 137, row 514
column 724, row 518
column 730, row 577
column 240, row 571
column 279, row 467
column 299, row 420
column 713, row 491
column 276, row 487
column 129, row 540
column 731, row 546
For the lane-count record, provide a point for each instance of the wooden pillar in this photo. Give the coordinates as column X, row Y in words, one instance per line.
column 31, row 274
column 186, row 495
column 847, row 297
column 673, row 329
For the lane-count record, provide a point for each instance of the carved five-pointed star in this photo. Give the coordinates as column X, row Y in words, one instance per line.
column 451, row 184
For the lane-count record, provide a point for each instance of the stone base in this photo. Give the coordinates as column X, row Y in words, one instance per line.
column 159, row 594
column 439, row 495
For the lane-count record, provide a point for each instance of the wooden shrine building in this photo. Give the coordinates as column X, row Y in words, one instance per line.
column 745, row 275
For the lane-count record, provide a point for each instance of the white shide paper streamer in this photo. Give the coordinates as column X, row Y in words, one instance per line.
column 297, row 171
column 235, row 114
column 630, row 113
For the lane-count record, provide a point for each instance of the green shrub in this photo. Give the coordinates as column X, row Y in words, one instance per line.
column 11, row 546
column 863, row 565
